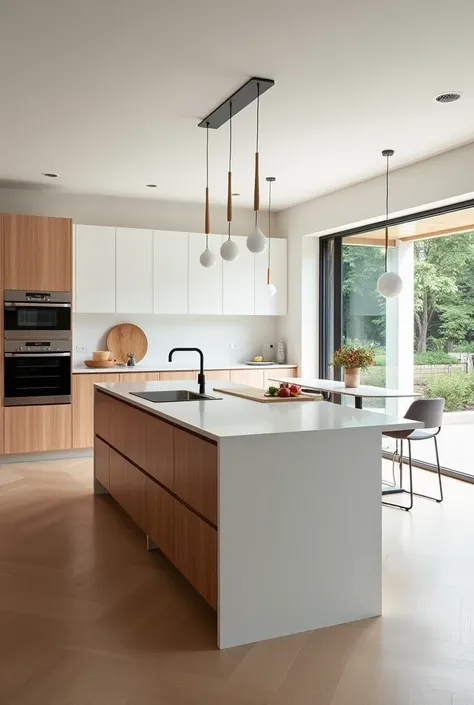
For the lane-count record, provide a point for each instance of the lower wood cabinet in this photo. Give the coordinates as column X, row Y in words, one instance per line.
column 160, row 518
column 196, row 552
column 102, row 462
column 31, row 429
column 128, row 487
column 159, row 450
column 195, row 473
column 250, row 377
column 83, row 407
column 127, row 430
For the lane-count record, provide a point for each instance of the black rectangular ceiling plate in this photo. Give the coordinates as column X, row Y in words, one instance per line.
column 240, row 99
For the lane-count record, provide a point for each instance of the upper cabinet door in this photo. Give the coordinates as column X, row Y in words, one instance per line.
column 170, row 272
column 239, row 282
column 37, row 253
column 94, row 269
column 134, row 271
column 277, row 305
column 205, row 285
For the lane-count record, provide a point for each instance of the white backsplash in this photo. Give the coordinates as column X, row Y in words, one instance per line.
column 224, row 340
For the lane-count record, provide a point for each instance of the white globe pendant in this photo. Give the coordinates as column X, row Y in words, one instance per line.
column 256, row 241
column 272, row 290
column 208, row 259
column 389, row 285
column 229, row 250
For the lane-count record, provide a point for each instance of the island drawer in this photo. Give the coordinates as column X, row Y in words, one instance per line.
column 128, row 488
column 196, row 552
column 160, row 518
column 102, row 462
column 195, row 473
column 127, row 431
column 159, row 450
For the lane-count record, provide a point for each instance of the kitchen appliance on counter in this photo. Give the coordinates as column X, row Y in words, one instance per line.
column 35, row 313
column 37, row 348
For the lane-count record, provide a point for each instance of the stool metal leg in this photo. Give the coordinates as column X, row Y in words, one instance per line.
column 440, row 482
column 410, row 477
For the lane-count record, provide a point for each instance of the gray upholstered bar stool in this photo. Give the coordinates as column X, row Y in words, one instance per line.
column 430, row 412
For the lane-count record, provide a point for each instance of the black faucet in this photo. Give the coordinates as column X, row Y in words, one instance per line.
column 201, row 377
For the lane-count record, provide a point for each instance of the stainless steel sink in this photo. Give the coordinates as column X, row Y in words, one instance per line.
column 173, row 395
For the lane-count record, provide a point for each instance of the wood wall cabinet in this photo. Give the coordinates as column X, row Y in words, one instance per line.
column 30, row 429
column 159, row 450
column 37, row 253
column 195, row 473
column 160, row 518
column 205, row 285
column 94, row 249
column 134, row 270
column 102, row 462
column 195, row 552
column 170, row 272
column 83, row 407
column 251, row 377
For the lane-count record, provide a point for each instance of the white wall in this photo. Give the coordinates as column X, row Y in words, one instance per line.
column 124, row 212
column 445, row 177
column 213, row 334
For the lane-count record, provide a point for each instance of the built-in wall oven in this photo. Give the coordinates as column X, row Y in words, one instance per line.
column 37, row 348
column 31, row 312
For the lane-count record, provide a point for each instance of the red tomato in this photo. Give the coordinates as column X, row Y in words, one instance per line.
column 283, row 385
column 295, row 389
column 284, row 392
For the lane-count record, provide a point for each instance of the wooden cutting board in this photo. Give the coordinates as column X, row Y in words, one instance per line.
column 127, row 338
column 254, row 394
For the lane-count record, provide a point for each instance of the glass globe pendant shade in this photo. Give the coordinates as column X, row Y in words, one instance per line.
column 256, row 241
column 208, row 259
column 389, row 285
column 229, row 250
column 272, row 290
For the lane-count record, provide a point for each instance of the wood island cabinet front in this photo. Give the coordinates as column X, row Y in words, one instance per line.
column 195, row 473
column 127, row 430
column 196, row 552
column 83, row 409
column 102, row 462
column 128, row 487
column 160, row 518
column 159, row 450
column 37, row 253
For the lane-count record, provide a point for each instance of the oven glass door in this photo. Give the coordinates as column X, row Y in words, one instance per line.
column 30, row 317
column 37, row 377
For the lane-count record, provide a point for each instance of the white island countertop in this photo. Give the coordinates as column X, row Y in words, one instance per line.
column 79, row 368
column 231, row 417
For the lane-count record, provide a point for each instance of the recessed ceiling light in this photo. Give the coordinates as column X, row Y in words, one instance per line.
column 50, row 174
column 449, row 97
column 151, row 185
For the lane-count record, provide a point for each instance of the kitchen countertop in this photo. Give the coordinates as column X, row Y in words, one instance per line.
column 232, row 416
column 172, row 367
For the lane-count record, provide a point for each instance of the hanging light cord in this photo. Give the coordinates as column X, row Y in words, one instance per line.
column 386, row 213
column 257, row 138
column 207, row 173
column 229, row 195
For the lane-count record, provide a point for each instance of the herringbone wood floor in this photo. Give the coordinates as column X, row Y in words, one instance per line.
column 88, row 617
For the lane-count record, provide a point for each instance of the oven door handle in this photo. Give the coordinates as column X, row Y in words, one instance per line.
column 30, row 355
column 21, row 304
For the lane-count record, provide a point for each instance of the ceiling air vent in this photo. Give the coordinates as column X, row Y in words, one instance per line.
column 450, row 97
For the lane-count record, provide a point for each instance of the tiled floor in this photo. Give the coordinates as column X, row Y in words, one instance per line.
column 88, row 617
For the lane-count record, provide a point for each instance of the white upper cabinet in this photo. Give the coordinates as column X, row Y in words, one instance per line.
column 238, row 294
column 205, row 285
column 94, row 270
column 277, row 305
column 170, row 272
column 134, row 270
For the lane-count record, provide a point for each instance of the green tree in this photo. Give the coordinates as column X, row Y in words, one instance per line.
column 444, row 267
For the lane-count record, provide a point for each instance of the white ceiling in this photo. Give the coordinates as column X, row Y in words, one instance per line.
column 108, row 93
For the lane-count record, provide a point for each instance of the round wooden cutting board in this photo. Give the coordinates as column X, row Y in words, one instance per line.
column 127, row 338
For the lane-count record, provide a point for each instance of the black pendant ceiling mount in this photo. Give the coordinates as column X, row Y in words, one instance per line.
column 239, row 100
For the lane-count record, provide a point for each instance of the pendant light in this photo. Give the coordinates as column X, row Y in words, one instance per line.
column 208, row 258
column 256, row 241
column 389, row 284
column 271, row 288
column 229, row 248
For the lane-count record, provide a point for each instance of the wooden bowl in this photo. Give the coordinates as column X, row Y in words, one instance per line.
column 100, row 364
column 101, row 355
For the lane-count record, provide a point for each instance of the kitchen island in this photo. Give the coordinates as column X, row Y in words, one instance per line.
column 271, row 511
